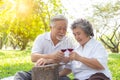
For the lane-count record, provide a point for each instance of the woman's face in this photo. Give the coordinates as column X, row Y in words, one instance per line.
column 80, row 36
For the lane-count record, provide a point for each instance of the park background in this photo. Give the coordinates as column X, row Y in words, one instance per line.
column 22, row 20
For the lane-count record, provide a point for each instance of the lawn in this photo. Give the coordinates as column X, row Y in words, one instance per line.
column 13, row 61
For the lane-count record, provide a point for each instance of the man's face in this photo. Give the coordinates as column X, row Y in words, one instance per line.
column 59, row 29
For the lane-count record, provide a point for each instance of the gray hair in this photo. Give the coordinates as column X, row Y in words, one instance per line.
column 57, row 18
column 85, row 25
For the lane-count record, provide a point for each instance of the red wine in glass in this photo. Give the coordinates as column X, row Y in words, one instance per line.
column 63, row 50
column 70, row 49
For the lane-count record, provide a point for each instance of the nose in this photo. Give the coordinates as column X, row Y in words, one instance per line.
column 76, row 36
column 63, row 31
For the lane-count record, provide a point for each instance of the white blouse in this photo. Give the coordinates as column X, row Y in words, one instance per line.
column 92, row 49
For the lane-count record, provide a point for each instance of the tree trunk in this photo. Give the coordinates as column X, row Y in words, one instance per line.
column 47, row 72
column 1, row 43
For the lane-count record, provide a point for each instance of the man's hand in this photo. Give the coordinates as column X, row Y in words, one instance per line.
column 57, row 56
column 41, row 62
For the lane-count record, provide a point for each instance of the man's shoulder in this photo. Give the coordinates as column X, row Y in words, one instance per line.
column 43, row 35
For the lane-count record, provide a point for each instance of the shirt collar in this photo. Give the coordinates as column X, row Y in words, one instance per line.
column 89, row 43
column 48, row 37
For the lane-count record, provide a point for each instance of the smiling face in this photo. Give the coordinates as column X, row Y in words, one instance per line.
column 58, row 31
column 80, row 36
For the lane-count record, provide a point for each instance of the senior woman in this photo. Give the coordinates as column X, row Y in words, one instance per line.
column 89, row 59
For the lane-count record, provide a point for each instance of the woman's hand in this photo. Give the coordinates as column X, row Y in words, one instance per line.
column 91, row 62
column 74, row 56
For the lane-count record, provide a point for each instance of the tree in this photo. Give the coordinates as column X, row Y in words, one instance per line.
column 107, row 21
column 4, row 23
column 26, row 19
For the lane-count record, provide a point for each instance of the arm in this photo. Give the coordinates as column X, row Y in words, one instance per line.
column 91, row 62
column 36, row 56
column 56, row 56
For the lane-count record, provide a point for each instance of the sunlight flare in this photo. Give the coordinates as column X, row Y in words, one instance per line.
column 24, row 8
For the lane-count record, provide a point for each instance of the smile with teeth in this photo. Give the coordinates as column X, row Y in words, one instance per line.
column 61, row 35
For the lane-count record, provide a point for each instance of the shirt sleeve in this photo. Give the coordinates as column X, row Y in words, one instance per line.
column 37, row 45
column 101, row 54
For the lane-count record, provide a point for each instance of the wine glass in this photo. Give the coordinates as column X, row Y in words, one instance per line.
column 63, row 47
column 70, row 49
column 63, row 50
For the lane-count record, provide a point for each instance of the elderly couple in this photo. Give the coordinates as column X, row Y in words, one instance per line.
column 88, row 60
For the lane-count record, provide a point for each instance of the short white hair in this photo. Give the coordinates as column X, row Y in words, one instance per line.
column 57, row 18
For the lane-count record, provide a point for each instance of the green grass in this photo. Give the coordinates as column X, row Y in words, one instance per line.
column 114, row 65
column 13, row 61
